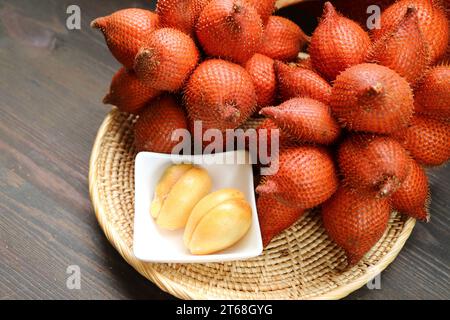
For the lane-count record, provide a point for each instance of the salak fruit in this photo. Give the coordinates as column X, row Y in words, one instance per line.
column 413, row 195
column 265, row 8
column 373, row 98
column 275, row 217
column 433, row 23
column 230, row 29
column 261, row 69
column 337, row 43
column 433, row 95
column 221, row 94
column 125, row 30
column 404, row 50
column 282, row 39
column 306, row 177
column 427, row 139
column 166, row 59
column 377, row 164
column 305, row 119
column 355, row 221
column 128, row 93
column 294, row 81
column 180, row 14
column 156, row 123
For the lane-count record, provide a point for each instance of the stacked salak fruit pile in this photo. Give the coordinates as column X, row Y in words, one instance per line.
column 359, row 119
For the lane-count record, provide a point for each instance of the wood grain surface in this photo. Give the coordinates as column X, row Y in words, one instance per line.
column 52, row 81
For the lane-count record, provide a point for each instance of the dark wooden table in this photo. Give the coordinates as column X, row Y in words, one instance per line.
column 51, row 84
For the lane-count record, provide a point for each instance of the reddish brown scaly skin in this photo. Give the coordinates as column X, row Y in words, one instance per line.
column 265, row 8
column 125, row 30
column 337, row 43
column 306, row 177
column 180, row 14
column 295, row 81
column 413, row 195
column 305, row 119
column 262, row 71
column 404, row 50
column 373, row 98
column 265, row 145
column 230, row 29
column 221, row 94
column 427, row 140
column 378, row 164
column 166, row 59
column 128, row 93
column 355, row 221
column 432, row 97
column 156, row 123
column 275, row 217
column 282, row 39
column 432, row 22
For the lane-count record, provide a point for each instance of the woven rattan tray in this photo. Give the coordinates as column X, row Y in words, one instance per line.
column 301, row 263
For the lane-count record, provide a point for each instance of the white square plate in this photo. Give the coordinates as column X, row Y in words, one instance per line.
column 153, row 244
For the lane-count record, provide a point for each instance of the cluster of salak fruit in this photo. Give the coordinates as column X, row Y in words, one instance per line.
column 358, row 119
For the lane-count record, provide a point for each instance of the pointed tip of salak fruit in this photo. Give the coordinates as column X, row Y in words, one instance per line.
column 270, row 112
column 268, row 187
column 108, row 99
column 328, row 10
column 99, row 23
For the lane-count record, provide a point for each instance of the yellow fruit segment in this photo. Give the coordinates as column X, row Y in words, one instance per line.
column 192, row 186
column 171, row 175
column 221, row 227
column 205, row 205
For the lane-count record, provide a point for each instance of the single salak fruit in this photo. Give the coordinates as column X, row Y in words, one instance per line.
column 265, row 8
column 306, row 177
column 305, row 119
column 295, row 81
column 337, row 43
column 180, row 14
column 355, row 221
column 282, row 39
column 156, row 123
column 427, row 140
column 433, row 23
column 262, row 71
column 166, row 59
column 373, row 98
column 377, row 164
column 128, row 93
column 404, row 50
column 413, row 195
column 275, row 217
column 432, row 97
column 230, row 29
column 125, row 30
column 221, row 94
